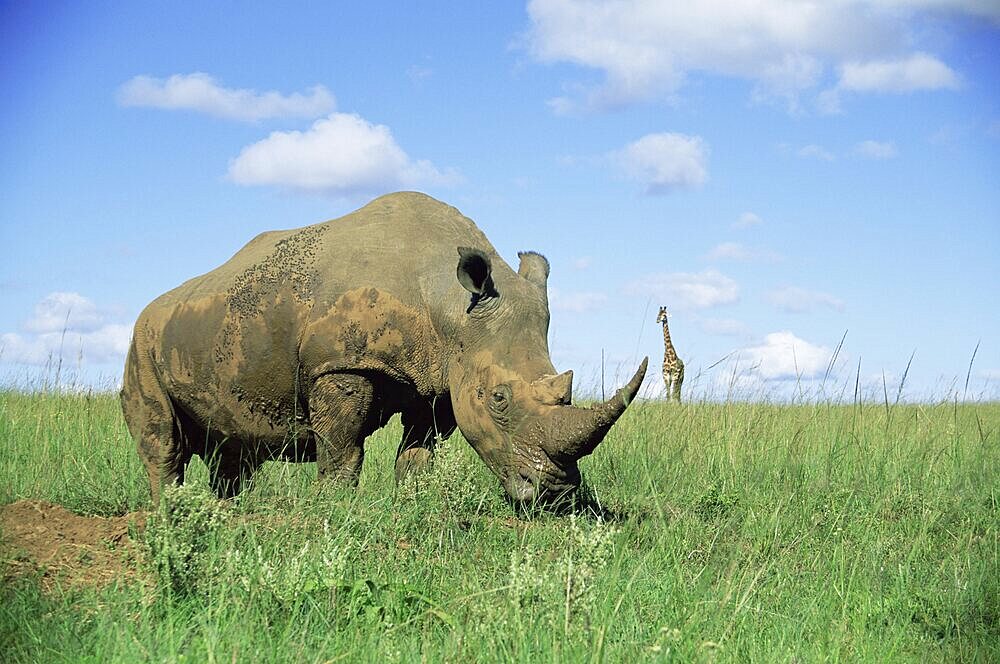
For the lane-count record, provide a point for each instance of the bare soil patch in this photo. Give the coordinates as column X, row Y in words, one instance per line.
column 39, row 538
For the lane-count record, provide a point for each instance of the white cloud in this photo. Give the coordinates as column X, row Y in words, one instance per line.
column 949, row 135
column 579, row 303
column 201, row 92
column 66, row 326
column 419, row 73
column 812, row 151
column 647, row 49
column 918, row 71
column 701, row 290
column 723, row 327
column 875, row 150
column 792, row 299
column 665, row 162
column 783, row 355
column 562, row 106
column 582, row 263
column 746, row 220
column 988, row 9
column 729, row 250
column 787, row 79
column 828, row 102
column 341, row 155
column 64, row 311
column 108, row 343
column 738, row 252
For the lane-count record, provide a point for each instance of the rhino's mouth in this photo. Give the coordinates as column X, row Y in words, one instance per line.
column 521, row 490
column 546, row 485
column 524, row 491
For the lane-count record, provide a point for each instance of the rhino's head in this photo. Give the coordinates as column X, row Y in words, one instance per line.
column 507, row 398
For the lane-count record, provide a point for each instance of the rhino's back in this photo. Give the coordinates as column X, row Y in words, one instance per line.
column 400, row 242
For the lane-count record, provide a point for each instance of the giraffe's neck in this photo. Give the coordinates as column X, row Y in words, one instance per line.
column 669, row 353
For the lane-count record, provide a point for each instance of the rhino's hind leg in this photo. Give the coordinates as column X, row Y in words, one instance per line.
column 149, row 414
column 341, row 416
column 230, row 462
column 231, row 467
column 422, row 425
column 416, row 449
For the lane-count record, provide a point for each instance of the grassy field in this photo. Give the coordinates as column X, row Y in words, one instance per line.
column 724, row 532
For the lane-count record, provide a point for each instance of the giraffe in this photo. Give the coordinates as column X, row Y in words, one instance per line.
column 673, row 368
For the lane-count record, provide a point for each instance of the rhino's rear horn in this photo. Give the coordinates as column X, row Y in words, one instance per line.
column 555, row 390
column 534, row 267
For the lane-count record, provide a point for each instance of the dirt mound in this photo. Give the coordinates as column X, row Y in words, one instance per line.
column 38, row 537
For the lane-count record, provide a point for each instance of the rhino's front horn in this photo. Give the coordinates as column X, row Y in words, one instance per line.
column 571, row 433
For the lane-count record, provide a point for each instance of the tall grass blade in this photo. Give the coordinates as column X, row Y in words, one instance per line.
column 968, row 374
column 833, row 361
column 902, row 381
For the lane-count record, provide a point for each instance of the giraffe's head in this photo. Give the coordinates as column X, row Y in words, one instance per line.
column 508, row 400
column 662, row 316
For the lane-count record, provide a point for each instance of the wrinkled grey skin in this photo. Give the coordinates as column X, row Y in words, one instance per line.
column 308, row 340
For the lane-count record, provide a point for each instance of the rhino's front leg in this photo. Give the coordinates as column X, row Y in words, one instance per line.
column 340, row 412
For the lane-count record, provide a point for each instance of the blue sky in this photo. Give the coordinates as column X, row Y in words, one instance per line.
column 776, row 173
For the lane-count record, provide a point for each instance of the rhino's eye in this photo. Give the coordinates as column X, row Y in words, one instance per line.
column 499, row 405
column 500, row 398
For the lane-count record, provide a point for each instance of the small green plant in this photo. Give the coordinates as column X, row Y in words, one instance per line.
column 590, row 550
column 565, row 584
column 716, row 502
column 286, row 570
column 529, row 580
column 453, row 479
column 180, row 536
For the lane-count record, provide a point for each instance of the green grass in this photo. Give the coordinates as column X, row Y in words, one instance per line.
column 732, row 532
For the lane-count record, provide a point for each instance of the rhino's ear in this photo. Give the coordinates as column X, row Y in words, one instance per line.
column 474, row 270
column 473, row 273
column 534, row 267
